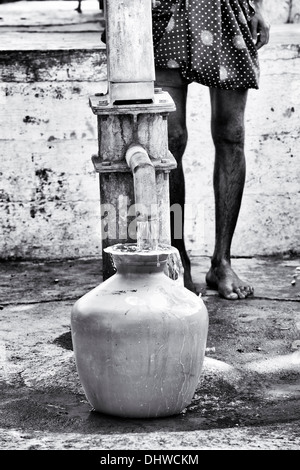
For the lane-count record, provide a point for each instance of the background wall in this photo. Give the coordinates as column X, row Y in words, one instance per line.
column 282, row 11
column 49, row 194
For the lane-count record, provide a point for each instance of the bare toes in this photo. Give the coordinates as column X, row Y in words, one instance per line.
column 231, row 296
column 240, row 293
column 249, row 290
column 245, row 290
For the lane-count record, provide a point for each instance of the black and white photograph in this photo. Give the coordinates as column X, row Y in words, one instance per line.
column 149, row 229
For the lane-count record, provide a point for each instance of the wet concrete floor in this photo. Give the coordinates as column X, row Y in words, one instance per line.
column 248, row 396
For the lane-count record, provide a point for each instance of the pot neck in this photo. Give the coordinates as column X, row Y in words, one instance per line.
column 127, row 259
column 138, row 267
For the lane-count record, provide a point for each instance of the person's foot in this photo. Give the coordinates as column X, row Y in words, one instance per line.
column 223, row 279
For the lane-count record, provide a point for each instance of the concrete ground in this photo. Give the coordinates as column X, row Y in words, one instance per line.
column 248, row 396
column 249, row 393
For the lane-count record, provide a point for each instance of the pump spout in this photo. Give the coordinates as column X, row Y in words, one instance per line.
column 145, row 195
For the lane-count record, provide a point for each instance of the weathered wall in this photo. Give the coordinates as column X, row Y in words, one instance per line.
column 282, row 11
column 49, row 194
column 49, row 190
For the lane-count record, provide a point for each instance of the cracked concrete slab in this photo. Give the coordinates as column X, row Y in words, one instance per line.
column 248, row 395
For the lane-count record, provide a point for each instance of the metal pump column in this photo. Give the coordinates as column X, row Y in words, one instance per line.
column 132, row 112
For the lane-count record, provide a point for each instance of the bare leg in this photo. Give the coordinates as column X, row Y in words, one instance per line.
column 227, row 127
column 177, row 138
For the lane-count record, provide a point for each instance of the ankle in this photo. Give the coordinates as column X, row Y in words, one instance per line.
column 217, row 262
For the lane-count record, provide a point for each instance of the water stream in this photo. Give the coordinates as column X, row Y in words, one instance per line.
column 147, row 235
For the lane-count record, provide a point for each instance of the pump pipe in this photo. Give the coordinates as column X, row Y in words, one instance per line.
column 144, row 182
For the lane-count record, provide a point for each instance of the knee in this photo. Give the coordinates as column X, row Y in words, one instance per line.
column 228, row 132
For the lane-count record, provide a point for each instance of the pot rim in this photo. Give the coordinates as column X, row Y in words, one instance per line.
column 130, row 249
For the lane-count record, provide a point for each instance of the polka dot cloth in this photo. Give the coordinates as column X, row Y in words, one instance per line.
column 208, row 40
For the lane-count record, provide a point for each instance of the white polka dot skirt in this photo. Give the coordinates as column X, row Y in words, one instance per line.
column 208, row 40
